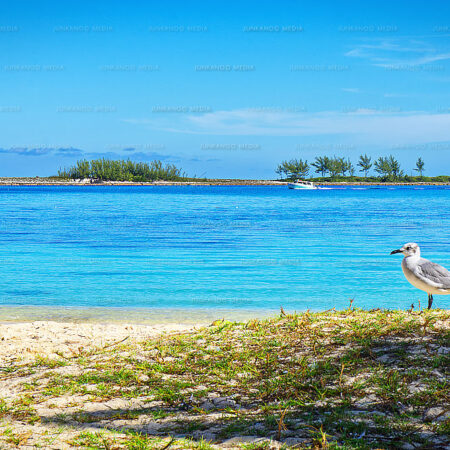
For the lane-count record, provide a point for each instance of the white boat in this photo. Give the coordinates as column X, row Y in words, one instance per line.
column 300, row 184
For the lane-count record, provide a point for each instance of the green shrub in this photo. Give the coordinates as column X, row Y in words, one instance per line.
column 121, row 170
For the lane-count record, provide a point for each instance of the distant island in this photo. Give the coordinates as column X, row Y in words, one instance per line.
column 332, row 170
column 340, row 169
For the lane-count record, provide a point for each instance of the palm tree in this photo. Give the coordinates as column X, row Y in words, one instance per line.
column 420, row 166
column 365, row 164
column 321, row 164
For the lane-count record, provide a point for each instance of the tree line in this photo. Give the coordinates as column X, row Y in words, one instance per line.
column 121, row 170
column 387, row 168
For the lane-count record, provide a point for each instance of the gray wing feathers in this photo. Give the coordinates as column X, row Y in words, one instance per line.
column 434, row 272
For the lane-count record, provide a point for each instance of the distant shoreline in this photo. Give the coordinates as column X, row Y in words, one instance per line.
column 29, row 181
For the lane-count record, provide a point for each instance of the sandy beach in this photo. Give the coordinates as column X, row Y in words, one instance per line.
column 225, row 227
column 111, row 386
column 25, row 344
column 22, row 342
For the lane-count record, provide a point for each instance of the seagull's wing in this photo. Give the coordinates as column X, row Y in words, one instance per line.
column 430, row 271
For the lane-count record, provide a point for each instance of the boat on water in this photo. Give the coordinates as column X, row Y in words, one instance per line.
column 300, row 184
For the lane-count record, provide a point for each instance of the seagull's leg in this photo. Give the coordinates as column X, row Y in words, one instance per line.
column 430, row 300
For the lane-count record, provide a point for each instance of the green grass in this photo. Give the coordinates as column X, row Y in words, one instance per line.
column 20, row 409
column 133, row 441
column 339, row 379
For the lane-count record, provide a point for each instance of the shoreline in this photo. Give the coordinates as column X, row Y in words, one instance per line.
column 10, row 314
column 30, row 181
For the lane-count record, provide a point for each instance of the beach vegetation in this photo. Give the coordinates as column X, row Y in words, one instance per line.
column 336, row 379
column 389, row 168
column 340, row 169
column 122, row 170
column 293, row 169
column 365, row 162
column 321, row 164
column 420, row 166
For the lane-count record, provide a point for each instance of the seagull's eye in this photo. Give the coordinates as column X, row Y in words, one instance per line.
column 408, row 248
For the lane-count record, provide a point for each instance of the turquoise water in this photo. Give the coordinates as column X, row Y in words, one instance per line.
column 228, row 248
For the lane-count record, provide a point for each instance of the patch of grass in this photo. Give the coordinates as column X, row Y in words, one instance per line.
column 134, row 441
column 43, row 361
column 21, row 409
column 15, row 438
column 89, row 440
column 340, row 379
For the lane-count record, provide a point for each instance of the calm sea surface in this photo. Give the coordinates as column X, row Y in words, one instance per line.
column 209, row 248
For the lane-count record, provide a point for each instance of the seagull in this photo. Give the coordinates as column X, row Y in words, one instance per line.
column 423, row 274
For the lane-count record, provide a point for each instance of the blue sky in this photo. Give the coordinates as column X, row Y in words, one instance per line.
column 223, row 88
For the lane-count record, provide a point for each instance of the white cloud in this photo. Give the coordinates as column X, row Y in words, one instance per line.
column 404, row 51
column 364, row 125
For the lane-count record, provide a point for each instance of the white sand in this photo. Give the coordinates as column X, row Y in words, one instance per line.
column 22, row 342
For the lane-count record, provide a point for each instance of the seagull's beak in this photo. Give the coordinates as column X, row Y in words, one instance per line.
column 395, row 251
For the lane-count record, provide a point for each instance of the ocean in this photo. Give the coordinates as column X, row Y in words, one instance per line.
column 206, row 251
